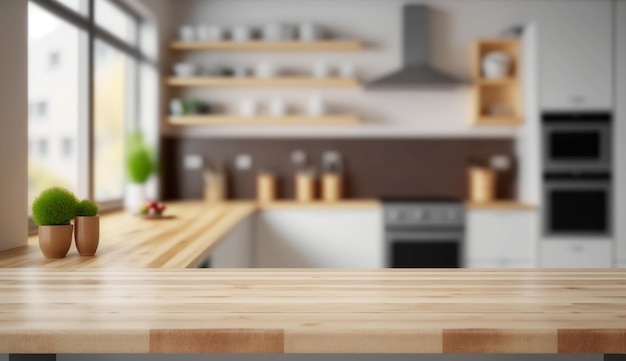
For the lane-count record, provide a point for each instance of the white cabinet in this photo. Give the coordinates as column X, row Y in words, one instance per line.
column 620, row 135
column 576, row 254
column 576, row 58
column 500, row 238
column 320, row 237
column 235, row 249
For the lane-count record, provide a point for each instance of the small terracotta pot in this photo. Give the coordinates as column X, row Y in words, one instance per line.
column 55, row 241
column 87, row 235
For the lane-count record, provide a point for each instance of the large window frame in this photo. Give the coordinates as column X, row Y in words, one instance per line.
column 86, row 21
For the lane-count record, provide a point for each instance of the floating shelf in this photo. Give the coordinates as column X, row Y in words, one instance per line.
column 261, row 82
column 498, row 121
column 493, row 82
column 339, row 119
column 328, row 45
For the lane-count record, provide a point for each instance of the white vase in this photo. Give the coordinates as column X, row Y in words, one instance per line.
column 135, row 197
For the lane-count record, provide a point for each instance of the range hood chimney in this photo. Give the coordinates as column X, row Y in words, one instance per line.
column 416, row 71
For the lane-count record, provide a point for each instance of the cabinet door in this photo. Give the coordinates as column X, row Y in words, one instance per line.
column 576, row 58
column 503, row 236
column 576, row 254
column 499, row 263
column 235, row 249
column 325, row 238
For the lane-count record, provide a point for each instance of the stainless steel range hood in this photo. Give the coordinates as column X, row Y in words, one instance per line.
column 416, row 71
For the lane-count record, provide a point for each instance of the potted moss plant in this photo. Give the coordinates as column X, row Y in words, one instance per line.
column 140, row 165
column 86, row 228
column 52, row 211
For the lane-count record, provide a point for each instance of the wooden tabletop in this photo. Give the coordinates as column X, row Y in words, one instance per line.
column 312, row 311
column 128, row 241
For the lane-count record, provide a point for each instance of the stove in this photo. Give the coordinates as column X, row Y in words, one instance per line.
column 424, row 232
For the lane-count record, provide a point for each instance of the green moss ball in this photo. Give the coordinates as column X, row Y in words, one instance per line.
column 54, row 206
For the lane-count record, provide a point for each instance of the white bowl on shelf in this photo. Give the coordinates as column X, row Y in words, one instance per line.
column 185, row 70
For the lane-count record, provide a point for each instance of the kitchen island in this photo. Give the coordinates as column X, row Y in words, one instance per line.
column 313, row 311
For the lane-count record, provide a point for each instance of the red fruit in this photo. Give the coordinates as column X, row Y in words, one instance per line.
column 160, row 207
column 152, row 204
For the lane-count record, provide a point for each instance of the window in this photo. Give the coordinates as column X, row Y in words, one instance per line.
column 54, row 59
column 67, row 147
column 42, row 148
column 80, row 146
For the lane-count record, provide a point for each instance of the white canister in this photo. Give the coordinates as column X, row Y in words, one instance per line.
column 209, row 33
column 265, row 71
column 321, row 70
column 346, row 70
column 316, row 106
column 176, row 107
column 241, row 71
column 496, row 65
column 216, row 33
column 309, row 32
column 277, row 108
column 186, row 33
column 272, row 32
column 248, row 108
column 242, row 34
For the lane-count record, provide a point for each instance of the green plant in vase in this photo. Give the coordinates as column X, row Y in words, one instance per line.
column 87, row 228
column 52, row 211
column 140, row 166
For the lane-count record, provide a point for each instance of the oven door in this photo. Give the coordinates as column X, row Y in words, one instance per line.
column 584, row 146
column 424, row 249
column 578, row 208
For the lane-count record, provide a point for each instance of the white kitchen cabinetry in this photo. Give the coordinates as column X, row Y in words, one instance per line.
column 320, row 237
column 235, row 250
column 576, row 59
column 576, row 254
column 620, row 135
column 500, row 238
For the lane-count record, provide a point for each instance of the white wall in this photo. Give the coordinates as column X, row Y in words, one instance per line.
column 455, row 25
column 13, row 124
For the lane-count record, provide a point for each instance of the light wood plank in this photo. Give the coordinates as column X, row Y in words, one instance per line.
column 501, row 205
column 339, row 119
column 297, row 82
column 328, row 45
column 309, row 311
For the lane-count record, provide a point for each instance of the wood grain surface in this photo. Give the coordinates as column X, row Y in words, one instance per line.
column 128, row 241
column 313, row 311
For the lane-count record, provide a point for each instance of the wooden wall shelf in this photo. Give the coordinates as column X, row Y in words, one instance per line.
column 505, row 93
column 261, row 82
column 328, row 45
column 339, row 119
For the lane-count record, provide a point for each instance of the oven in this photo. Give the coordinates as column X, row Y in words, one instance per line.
column 580, row 141
column 578, row 205
column 424, row 235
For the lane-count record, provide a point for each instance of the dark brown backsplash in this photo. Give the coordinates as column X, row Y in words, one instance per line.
column 373, row 167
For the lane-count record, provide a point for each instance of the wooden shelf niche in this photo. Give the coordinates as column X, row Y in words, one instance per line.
column 503, row 93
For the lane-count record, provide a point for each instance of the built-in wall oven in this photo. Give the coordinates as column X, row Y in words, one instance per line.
column 423, row 234
column 578, row 204
column 577, row 174
column 577, row 141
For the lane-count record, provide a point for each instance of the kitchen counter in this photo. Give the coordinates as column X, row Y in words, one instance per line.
column 128, row 241
column 312, row 311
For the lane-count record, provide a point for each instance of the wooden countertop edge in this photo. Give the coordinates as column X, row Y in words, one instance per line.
column 305, row 341
column 503, row 205
column 342, row 204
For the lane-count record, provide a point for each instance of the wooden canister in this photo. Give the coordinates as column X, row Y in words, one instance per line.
column 266, row 187
column 332, row 187
column 482, row 184
column 305, row 187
